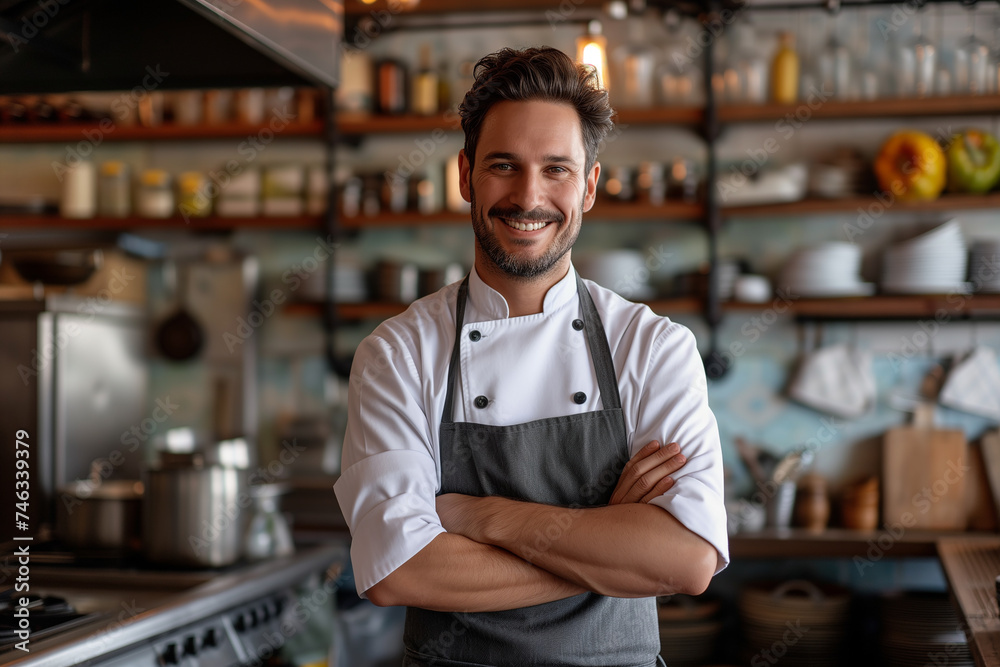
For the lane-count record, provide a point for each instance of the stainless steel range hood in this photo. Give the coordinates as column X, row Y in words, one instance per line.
column 305, row 35
column 118, row 44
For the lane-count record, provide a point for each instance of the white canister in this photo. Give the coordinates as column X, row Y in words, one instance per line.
column 155, row 195
column 79, row 198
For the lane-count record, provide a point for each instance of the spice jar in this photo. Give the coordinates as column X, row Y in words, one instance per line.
column 154, row 197
column 859, row 505
column 115, row 190
column 812, row 505
column 193, row 199
column 79, row 198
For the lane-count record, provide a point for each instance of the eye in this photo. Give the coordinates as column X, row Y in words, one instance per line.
column 558, row 170
column 502, row 166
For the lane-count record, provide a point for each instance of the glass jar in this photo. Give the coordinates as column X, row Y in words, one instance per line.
column 193, row 199
column 154, row 197
column 115, row 190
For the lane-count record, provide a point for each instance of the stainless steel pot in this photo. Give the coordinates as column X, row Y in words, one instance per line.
column 100, row 516
column 195, row 514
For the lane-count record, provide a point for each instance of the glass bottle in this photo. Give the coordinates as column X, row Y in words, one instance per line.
column 635, row 68
column 785, row 71
column 424, row 101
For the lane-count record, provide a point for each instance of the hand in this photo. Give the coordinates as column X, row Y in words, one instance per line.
column 647, row 474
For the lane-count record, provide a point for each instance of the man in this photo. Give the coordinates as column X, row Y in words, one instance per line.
column 502, row 472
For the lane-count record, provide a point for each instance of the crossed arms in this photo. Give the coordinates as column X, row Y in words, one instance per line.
column 504, row 554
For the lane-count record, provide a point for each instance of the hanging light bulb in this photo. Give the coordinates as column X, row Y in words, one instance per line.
column 592, row 49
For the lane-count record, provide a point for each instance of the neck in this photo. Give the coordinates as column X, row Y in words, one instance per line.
column 524, row 296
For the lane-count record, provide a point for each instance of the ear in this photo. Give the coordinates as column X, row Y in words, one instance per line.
column 464, row 171
column 591, row 196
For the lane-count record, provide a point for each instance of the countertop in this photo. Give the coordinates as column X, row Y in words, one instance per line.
column 160, row 602
column 972, row 567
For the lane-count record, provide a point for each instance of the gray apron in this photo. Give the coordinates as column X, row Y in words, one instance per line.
column 570, row 461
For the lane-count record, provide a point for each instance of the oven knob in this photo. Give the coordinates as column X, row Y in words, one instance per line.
column 169, row 656
column 209, row 640
column 265, row 614
column 190, row 646
column 239, row 624
column 253, row 618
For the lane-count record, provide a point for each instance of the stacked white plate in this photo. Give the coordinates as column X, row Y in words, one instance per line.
column 933, row 263
column 825, row 270
column 984, row 266
column 918, row 627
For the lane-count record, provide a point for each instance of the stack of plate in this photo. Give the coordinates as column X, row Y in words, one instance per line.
column 689, row 630
column 825, row 270
column 984, row 266
column 801, row 621
column 932, row 263
column 921, row 629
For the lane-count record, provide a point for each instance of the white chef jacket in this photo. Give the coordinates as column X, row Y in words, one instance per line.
column 529, row 368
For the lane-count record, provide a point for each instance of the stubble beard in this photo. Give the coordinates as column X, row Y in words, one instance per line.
column 523, row 268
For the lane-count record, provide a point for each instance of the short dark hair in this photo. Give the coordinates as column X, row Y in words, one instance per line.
column 537, row 73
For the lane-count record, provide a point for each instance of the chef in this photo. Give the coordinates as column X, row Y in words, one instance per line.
column 530, row 459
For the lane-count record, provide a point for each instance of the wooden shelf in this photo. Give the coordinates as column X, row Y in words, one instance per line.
column 41, row 223
column 91, row 132
column 382, row 310
column 359, row 8
column 882, row 306
column 946, row 202
column 958, row 105
column 614, row 211
column 844, row 543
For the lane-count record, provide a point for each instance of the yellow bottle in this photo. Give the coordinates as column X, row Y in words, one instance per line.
column 785, row 71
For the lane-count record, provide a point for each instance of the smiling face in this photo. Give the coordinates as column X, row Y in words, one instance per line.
column 529, row 188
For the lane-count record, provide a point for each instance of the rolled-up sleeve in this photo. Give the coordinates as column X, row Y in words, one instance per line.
column 674, row 408
column 389, row 477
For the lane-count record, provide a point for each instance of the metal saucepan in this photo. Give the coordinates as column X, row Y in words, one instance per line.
column 194, row 513
column 101, row 516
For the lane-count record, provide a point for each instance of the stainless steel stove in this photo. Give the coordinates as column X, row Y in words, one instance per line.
column 137, row 618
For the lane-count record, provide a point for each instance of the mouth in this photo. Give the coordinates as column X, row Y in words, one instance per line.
column 524, row 226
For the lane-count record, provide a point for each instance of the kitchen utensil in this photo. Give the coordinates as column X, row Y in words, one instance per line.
column 100, row 515
column 57, row 267
column 193, row 512
column 973, row 385
column 267, row 534
column 836, row 379
column 923, row 477
column 179, row 337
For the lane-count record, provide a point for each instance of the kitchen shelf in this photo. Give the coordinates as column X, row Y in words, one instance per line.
column 358, row 123
column 883, row 306
column 361, row 7
column 45, row 223
column 946, row 202
column 844, row 543
column 953, row 105
column 383, row 310
column 72, row 132
column 618, row 212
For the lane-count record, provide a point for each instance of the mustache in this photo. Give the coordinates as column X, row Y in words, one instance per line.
column 517, row 214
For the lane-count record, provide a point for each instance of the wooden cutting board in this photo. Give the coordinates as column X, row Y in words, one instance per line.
column 924, row 478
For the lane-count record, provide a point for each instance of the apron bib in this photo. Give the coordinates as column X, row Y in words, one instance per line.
column 569, row 461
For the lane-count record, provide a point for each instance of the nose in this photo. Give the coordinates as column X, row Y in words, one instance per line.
column 528, row 191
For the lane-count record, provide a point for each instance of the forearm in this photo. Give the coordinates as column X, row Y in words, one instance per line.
column 630, row 550
column 454, row 573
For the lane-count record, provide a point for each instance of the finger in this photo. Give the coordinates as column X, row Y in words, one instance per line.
column 648, row 449
column 654, row 459
column 647, row 482
column 661, row 487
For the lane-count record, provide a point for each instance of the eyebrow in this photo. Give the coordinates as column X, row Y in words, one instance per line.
column 514, row 157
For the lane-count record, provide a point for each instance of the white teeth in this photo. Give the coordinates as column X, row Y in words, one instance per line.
column 525, row 227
